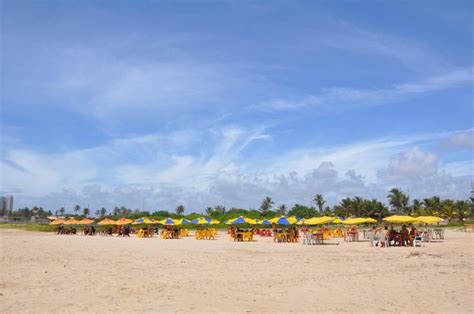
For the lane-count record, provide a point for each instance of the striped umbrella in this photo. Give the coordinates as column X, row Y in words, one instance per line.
column 170, row 222
column 241, row 220
column 282, row 220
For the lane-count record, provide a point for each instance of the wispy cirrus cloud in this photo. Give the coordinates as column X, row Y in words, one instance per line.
column 336, row 97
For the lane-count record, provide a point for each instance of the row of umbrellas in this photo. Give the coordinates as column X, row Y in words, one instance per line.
column 282, row 220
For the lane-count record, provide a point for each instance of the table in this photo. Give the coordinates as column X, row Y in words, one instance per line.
column 317, row 238
column 243, row 236
column 351, row 236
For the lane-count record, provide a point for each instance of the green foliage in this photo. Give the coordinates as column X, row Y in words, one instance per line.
column 302, row 211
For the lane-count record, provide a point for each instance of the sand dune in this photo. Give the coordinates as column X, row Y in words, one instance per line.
column 43, row 272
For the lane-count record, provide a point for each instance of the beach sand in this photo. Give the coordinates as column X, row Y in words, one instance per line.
column 44, row 272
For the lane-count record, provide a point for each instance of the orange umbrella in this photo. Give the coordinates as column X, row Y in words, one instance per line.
column 57, row 222
column 123, row 221
column 71, row 221
column 107, row 221
column 85, row 221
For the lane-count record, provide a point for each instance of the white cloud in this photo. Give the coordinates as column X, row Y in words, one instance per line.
column 411, row 163
column 463, row 140
column 154, row 170
column 337, row 97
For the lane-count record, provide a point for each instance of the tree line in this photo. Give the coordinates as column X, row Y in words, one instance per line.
column 398, row 203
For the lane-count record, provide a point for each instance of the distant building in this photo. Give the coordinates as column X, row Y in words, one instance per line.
column 6, row 203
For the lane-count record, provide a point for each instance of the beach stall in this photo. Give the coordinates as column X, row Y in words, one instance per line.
column 241, row 234
column 172, row 230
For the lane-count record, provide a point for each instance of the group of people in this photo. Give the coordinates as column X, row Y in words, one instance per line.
column 384, row 237
column 89, row 230
column 66, row 230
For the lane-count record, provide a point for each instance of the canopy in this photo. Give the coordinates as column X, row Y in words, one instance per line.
column 241, row 220
column 86, row 221
column 184, row 221
column 263, row 221
column 123, row 221
column 71, row 221
column 107, row 221
column 428, row 219
column 354, row 221
column 399, row 219
column 370, row 220
column 337, row 220
column 282, row 220
column 202, row 221
column 318, row 220
column 143, row 221
column 57, row 222
column 170, row 222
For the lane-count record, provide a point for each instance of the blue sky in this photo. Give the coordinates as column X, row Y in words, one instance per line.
column 160, row 103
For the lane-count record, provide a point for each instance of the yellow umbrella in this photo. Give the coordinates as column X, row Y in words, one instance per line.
column 370, row 220
column 107, row 221
column 215, row 222
column 316, row 221
column 354, row 221
column 399, row 219
column 428, row 219
column 57, row 222
column 337, row 221
column 85, row 221
column 71, row 221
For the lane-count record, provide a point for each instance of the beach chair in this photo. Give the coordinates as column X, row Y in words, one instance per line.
column 418, row 240
column 307, row 238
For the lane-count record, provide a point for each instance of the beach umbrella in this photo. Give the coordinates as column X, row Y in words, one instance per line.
column 282, row 220
column 71, row 221
column 354, row 221
column 107, row 221
column 337, row 220
column 241, row 220
column 57, row 222
column 263, row 221
column 170, row 222
column 370, row 220
column 143, row 221
column 201, row 221
column 86, row 221
column 123, row 221
column 319, row 220
column 399, row 219
column 428, row 219
column 185, row 221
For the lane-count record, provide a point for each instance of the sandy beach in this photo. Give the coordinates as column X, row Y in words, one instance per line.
column 44, row 272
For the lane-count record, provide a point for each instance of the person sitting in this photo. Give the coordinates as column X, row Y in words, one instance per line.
column 110, row 231
column 74, row 231
column 404, row 236
column 412, row 235
column 126, row 230
column 392, row 236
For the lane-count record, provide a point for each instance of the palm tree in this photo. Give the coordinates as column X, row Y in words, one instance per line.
column 97, row 213
column 209, row 211
column 77, row 208
column 449, row 210
column 416, row 208
column 103, row 211
column 266, row 204
column 463, row 210
column 398, row 200
column 319, row 200
column 179, row 210
column 281, row 210
column 85, row 211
